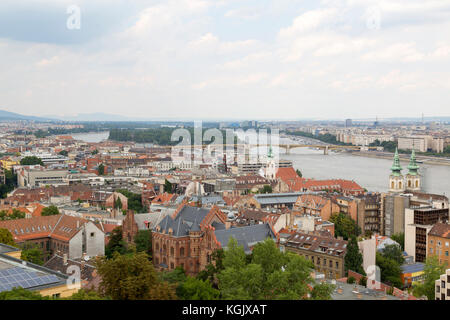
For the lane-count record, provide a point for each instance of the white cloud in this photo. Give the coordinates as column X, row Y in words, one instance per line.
column 308, row 21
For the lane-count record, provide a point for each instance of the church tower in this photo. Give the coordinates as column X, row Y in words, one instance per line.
column 396, row 181
column 413, row 182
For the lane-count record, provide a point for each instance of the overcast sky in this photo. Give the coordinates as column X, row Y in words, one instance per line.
column 204, row 59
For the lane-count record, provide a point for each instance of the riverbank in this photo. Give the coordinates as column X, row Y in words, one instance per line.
column 403, row 157
column 440, row 161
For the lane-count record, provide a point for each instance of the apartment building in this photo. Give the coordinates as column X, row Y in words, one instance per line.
column 369, row 213
column 58, row 233
column 443, row 286
column 439, row 243
column 418, row 223
column 35, row 176
column 325, row 252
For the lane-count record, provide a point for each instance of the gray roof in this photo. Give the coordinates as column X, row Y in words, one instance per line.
column 246, row 236
column 153, row 218
column 277, row 198
column 188, row 219
column 211, row 199
column 411, row 268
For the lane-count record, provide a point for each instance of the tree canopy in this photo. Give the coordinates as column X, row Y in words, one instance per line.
column 131, row 277
column 143, row 242
column 31, row 253
column 6, row 237
column 50, row 211
column 16, row 214
column 344, row 226
column 390, row 270
column 116, row 243
column 31, row 161
column 268, row 274
column 353, row 258
column 432, row 272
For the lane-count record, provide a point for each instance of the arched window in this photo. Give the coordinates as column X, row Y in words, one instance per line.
column 157, row 246
column 417, row 183
column 181, row 252
column 409, row 183
column 400, row 185
column 172, row 251
column 392, row 185
column 164, row 248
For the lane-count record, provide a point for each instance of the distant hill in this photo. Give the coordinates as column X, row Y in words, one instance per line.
column 6, row 115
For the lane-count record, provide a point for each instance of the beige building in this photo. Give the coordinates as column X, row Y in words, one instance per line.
column 418, row 223
column 443, row 286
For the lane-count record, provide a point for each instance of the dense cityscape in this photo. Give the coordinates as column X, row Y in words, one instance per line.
column 198, row 230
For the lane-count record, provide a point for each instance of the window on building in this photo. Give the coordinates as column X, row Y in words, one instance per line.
column 181, row 252
column 92, row 234
column 172, row 251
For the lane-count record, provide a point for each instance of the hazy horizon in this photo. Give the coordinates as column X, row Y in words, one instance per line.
column 226, row 59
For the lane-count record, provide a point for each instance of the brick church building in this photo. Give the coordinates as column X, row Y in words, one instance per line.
column 189, row 236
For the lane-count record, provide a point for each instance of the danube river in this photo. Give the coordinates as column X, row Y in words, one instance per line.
column 370, row 173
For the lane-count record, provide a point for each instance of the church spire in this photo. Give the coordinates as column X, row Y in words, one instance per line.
column 396, row 168
column 413, row 167
column 270, row 154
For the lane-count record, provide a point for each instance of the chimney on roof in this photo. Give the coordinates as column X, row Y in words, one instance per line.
column 65, row 259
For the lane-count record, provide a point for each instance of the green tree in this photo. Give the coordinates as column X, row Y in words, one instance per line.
column 32, row 254
column 6, row 237
column 64, row 153
column 118, row 204
column 134, row 201
column 196, row 289
column 432, row 272
column 353, row 258
column 266, row 189
column 31, row 161
column 131, row 277
column 168, row 186
column 101, row 169
column 21, row 294
column 94, row 152
column 269, row 273
column 393, row 252
column 116, row 243
column 213, row 268
column 299, row 173
column 400, row 239
column 363, row 281
column 351, row 280
column 143, row 242
column 344, row 226
column 84, row 294
column 390, row 270
column 10, row 183
column 322, row 291
column 50, row 211
column 16, row 214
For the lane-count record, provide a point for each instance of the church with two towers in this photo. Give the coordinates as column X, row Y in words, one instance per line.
column 398, row 183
